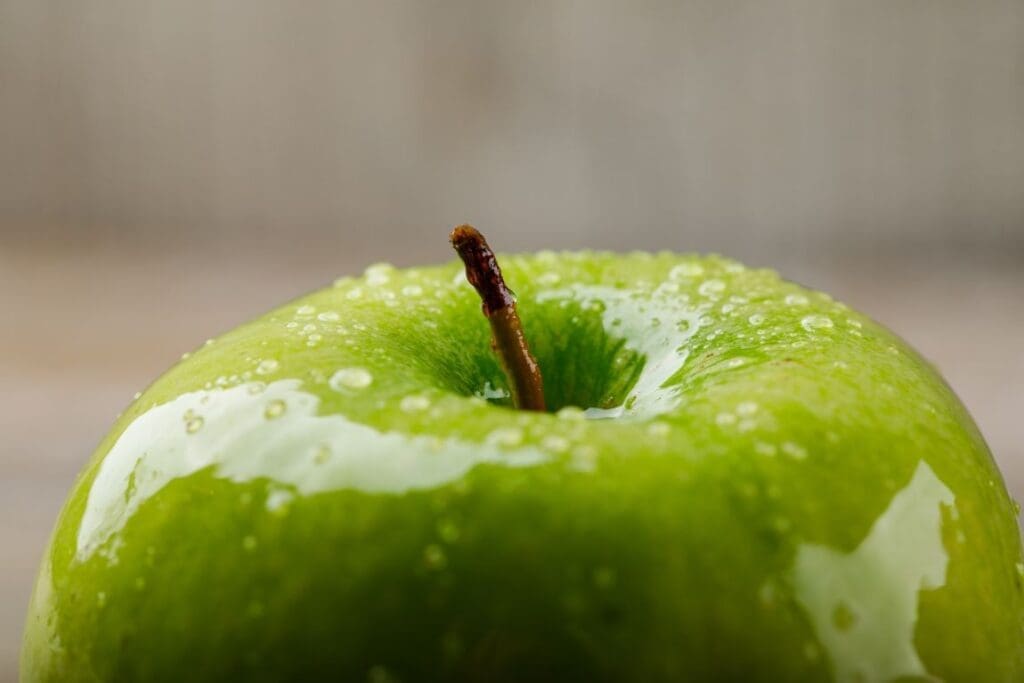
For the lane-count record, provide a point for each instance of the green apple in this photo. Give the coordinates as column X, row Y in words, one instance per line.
column 737, row 479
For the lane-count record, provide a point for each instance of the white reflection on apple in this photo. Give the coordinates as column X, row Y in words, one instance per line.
column 657, row 329
column 293, row 445
column 864, row 603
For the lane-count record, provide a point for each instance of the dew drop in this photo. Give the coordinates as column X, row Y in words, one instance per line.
column 101, row 599
column 328, row 317
column 354, row 293
column 305, row 311
column 756, row 319
column 275, row 409
column 350, row 379
column 765, row 449
column 267, row 366
column 725, row 419
column 816, row 322
column 796, row 300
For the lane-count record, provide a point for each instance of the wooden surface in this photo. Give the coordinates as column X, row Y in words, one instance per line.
column 82, row 332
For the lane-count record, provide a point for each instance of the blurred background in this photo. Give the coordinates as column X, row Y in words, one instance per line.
column 170, row 169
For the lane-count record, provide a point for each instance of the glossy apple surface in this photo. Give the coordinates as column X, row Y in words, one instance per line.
column 745, row 480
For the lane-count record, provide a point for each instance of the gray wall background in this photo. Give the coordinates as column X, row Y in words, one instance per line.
column 170, row 168
column 748, row 127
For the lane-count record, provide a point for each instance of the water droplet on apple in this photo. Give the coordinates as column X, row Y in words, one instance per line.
column 275, row 409
column 725, row 419
column 414, row 404
column 795, row 300
column 321, row 454
column 267, row 366
column 291, row 325
column 314, row 340
column 507, row 437
column 765, row 449
column 756, row 319
column 816, row 322
column 412, row 291
column 101, row 599
column 843, row 617
column 249, row 543
column 351, row 379
column 354, row 293
column 378, row 274
column 767, row 594
column 794, row 450
column 685, row 271
column 328, row 317
column 434, row 557
column 194, row 424
column 549, row 278
column 448, row 530
column 747, row 408
column 380, row 674
column 555, row 443
column 572, row 413
column 278, row 501
column 305, row 311
column 604, row 578
column 710, row 288
column 585, row 458
column 658, row 429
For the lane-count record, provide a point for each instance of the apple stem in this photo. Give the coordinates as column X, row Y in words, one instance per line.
column 499, row 307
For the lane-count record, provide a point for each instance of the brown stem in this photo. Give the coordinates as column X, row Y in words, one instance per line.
column 499, row 306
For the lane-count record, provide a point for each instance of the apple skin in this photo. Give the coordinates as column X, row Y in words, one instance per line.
column 785, row 492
